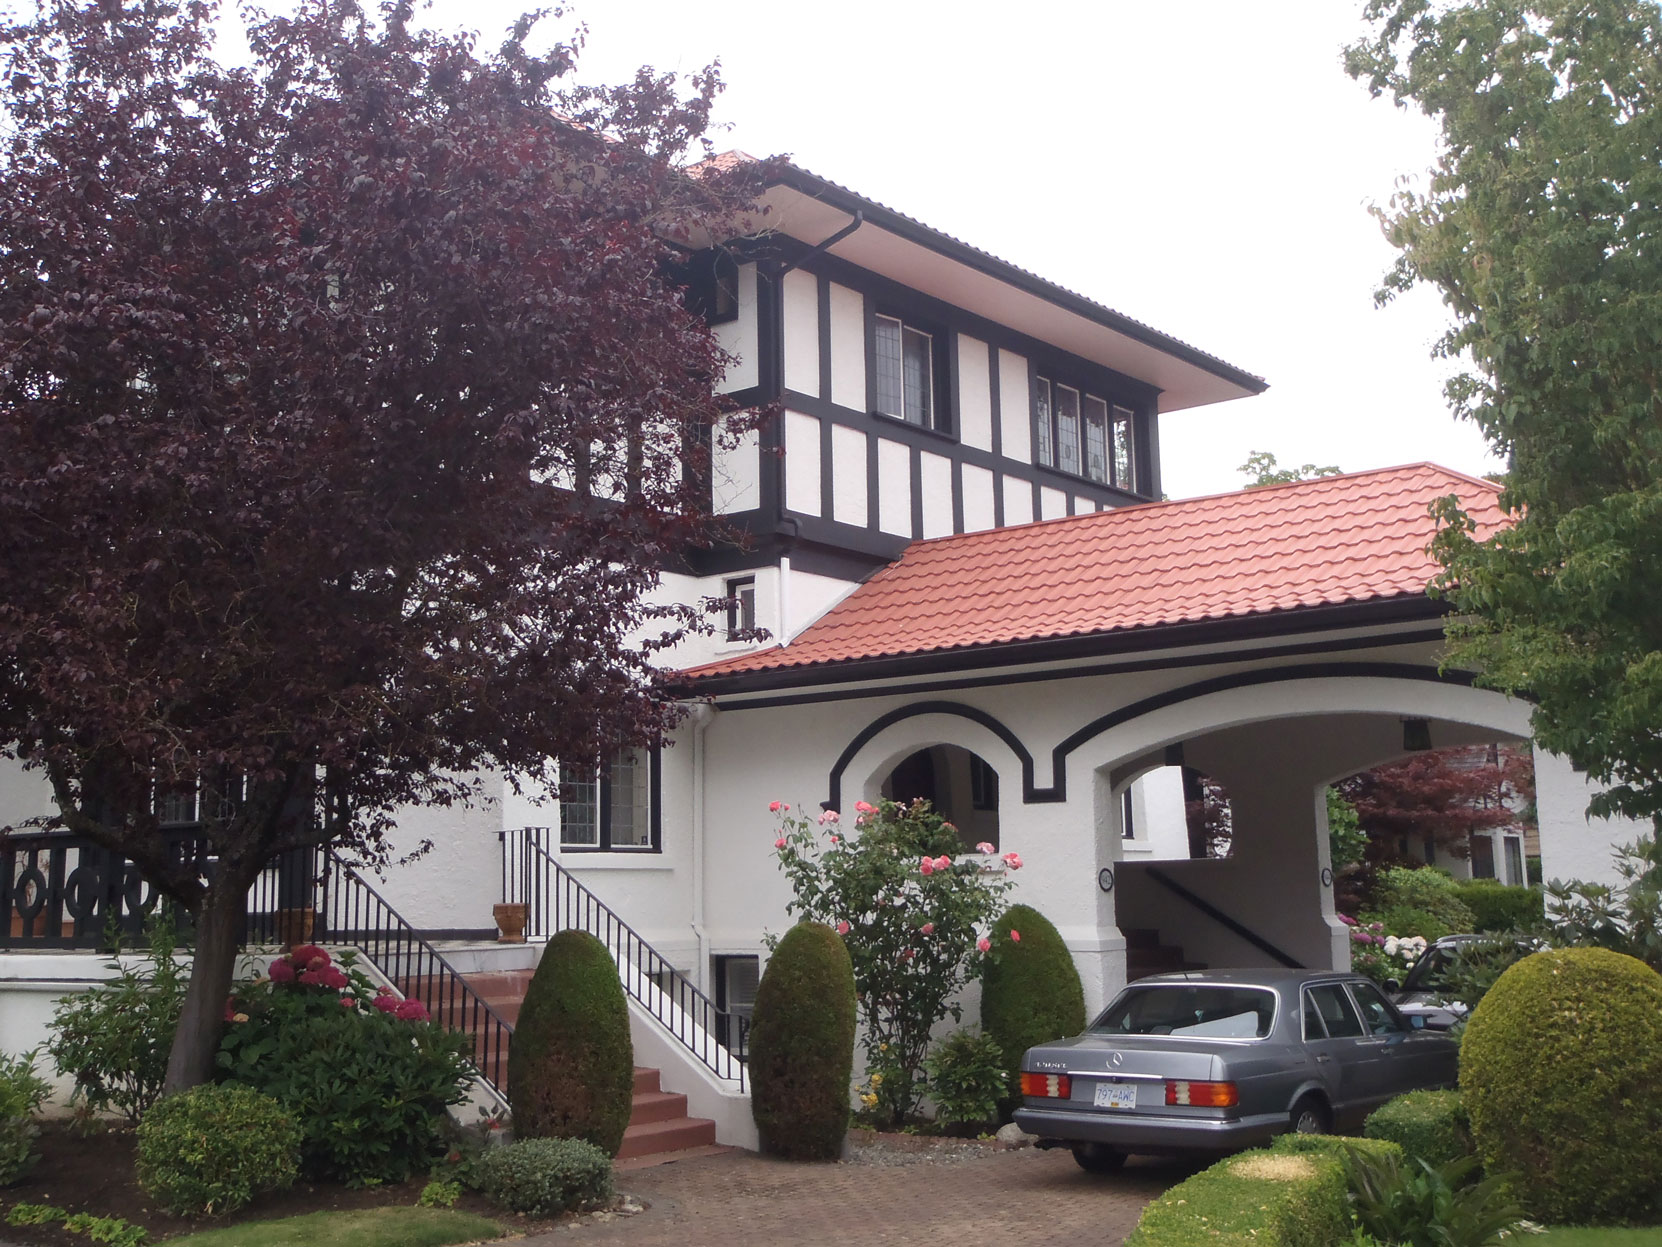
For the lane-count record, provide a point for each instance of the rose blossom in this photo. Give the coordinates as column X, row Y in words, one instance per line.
column 829, row 816
column 1015, row 935
column 927, row 867
column 836, row 839
column 779, row 843
column 1013, row 860
column 842, row 927
column 984, row 847
column 865, row 808
column 942, row 862
column 984, row 944
column 927, row 928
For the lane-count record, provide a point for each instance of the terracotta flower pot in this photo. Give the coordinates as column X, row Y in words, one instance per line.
column 295, row 926
column 510, row 921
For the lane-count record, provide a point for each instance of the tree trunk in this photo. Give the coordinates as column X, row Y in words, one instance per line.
column 202, row 1018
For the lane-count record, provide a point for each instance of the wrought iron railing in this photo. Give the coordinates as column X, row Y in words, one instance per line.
column 350, row 912
column 1222, row 919
column 557, row 901
column 60, row 890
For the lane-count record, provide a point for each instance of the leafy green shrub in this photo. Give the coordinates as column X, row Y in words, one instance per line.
column 1030, row 992
column 1406, row 921
column 1429, row 1125
column 114, row 1040
column 571, row 1067
column 213, row 1148
column 1497, row 907
column 967, row 1078
column 439, row 1194
column 911, row 906
column 1426, row 889
column 802, row 1045
column 1559, row 1071
column 365, row 1076
column 1414, row 1203
column 22, row 1092
column 541, row 1177
column 1626, row 917
column 1275, row 1198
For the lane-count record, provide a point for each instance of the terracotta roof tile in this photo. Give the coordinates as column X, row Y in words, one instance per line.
column 1327, row 542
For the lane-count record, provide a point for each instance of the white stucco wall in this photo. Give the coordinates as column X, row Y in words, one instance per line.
column 738, row 337
column 1574, row 846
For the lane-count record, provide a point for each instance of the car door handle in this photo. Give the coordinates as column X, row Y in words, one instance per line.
column 1324, row 1059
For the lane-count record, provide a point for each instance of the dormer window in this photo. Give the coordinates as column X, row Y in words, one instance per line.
column 1081, row 434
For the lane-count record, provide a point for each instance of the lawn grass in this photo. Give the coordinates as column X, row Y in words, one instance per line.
column 1599, row 1238
column 362, row 1227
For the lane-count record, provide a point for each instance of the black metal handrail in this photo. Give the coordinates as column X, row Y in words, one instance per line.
column 61, row 890
column 351, row 912
column 1217, row 915
column 557, row 901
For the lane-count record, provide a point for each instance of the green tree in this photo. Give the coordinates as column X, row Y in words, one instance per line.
column 1541, row 226
column 1262, row 470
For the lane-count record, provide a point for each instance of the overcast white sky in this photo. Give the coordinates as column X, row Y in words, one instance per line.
column 1203, row 166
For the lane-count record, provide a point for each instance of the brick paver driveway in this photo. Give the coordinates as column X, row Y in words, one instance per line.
column 739, row 1199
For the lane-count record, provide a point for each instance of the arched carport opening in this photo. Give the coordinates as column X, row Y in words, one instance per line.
column 1274, row 747
column 959, row 784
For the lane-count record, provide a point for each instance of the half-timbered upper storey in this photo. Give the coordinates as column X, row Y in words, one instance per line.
column 926, row 388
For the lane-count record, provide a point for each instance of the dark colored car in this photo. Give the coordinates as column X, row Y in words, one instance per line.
column 1421, row 992
column 1210, row 1061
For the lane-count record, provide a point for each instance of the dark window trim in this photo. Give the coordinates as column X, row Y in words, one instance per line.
column 603, row 812
column 1114, row 400
column 942, row 334
column 736, row 621
column 708, row 272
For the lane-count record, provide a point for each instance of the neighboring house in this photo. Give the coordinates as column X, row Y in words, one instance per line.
column 974, row 593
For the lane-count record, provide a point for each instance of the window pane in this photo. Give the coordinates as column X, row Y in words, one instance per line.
column 1201, row 1011
column 1096, row 439
column 1313, row 1028
column 916, row 349
column 1336, row 1011
column 1067, row 429
column 1377, row 1016
column 176, row 808
column 579, row 806
column 631, row 824
column 1125, row 472
column 888, row 367
column 1041, row 423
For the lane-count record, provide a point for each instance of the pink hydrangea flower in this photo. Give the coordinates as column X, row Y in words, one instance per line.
column 842, row 927
column 349, row 1002
column 387, row 1002
column 410, row 1011
column 282, row 971
column 1015, row 935
column 927, row 928
column 984, row 944
column 927, row 866
column 308, row 956
column 985, row 847
column 779, row 843
column 1013, row 860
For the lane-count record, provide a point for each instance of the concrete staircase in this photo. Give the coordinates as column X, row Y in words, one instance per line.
column 1145, row 954
column 659, row 1123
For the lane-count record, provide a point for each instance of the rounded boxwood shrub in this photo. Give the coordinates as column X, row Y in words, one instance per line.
column 212, row 1149
column 1030, row 992
column 541, row 1177
column 802, row 1045
column 1428, row 1125
column 571, row 1066
column 1559, row 1071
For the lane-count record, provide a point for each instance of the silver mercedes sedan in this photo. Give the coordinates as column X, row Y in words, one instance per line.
column 1214, row 1060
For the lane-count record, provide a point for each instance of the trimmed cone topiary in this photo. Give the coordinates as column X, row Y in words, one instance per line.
column 1560, row 1070
column 1030, row 992
column 571, row 1066
column 802, row 1045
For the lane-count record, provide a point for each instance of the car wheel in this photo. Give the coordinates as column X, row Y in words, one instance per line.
column 1311, row 1116
column 1097, row 1158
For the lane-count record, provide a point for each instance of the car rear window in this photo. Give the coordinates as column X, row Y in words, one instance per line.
column 1199, row 1011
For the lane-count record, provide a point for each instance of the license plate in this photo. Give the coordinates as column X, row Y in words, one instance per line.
column 1116, row 1095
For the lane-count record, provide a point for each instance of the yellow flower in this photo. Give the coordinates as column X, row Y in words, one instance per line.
column 877, row 1080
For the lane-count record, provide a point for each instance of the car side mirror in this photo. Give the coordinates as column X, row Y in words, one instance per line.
column 1391, row 985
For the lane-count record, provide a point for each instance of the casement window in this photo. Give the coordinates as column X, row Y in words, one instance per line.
column 613, row 807
column 1081, row 434
column 741, row 606
column 712, row 285
column 908, row 372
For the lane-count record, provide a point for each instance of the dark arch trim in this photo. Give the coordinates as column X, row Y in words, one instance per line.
column 957, row 709
column 1058, row 791
column 1244, row 679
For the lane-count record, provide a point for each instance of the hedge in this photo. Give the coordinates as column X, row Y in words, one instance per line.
column 1290, row 1195
column 1500, row 908
column 1428, row 1125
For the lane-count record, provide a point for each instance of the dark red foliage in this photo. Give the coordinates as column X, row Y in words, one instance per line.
column 345, row 402
column 1444, row 793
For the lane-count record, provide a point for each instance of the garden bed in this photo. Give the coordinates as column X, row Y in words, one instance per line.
column 95, row 1175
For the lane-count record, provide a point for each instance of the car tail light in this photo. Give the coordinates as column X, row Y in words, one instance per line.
column 1202, row 1094
column 1048, row 1086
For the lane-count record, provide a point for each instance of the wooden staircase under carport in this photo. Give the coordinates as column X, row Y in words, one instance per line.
column 658, row 1121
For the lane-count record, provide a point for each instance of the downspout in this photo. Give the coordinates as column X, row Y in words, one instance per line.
column 784, row 633
column 701, row 716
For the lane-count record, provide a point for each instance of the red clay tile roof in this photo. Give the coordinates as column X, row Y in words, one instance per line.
column 1356, row 538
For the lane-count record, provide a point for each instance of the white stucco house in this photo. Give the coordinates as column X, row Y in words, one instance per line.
column 974, row 592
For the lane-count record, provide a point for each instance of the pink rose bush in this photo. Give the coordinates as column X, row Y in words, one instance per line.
column 912, row 908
